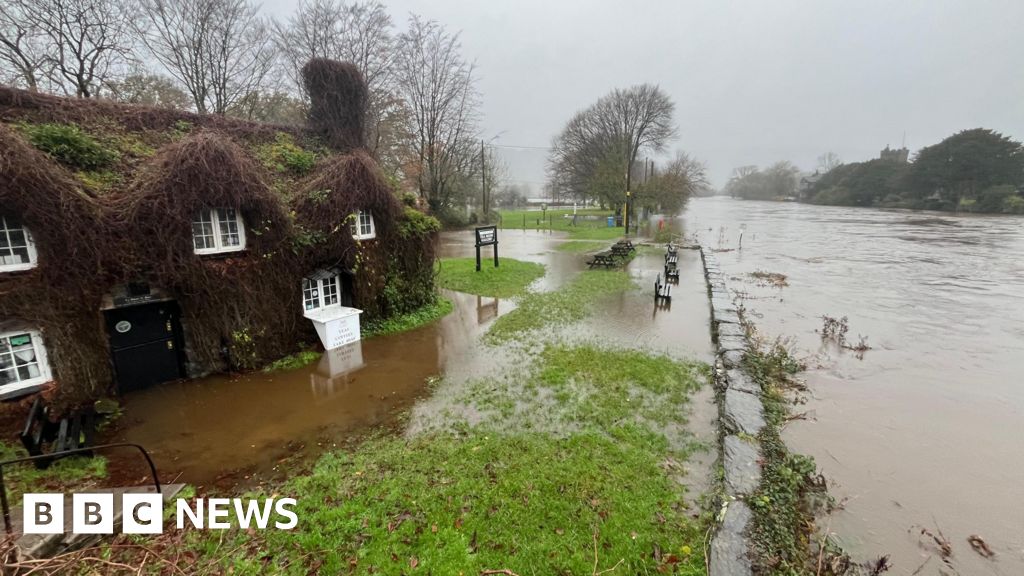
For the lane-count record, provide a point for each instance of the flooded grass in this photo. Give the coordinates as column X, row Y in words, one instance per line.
column 510, row 278
column 293, row 361
column 410, row 320
column 581, row 246
column 562, row 221
column 569, row 304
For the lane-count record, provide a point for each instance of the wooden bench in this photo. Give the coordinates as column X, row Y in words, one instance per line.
column 662, row 291
column 606, row 259
column 671, row 268
column 71, row 433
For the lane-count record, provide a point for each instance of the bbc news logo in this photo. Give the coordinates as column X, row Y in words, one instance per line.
column 94, row 513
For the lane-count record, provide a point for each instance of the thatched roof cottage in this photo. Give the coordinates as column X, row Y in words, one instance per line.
column 140, row 245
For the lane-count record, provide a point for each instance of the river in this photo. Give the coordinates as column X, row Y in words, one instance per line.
column 925, row 430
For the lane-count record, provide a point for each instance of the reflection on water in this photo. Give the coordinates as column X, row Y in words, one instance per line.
column 925, row 430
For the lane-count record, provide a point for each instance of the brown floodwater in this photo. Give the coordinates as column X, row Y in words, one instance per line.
column 925, row 431
column 232, row 431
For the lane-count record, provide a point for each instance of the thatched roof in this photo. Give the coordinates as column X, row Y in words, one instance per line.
column 49, row 202
column 344, row 185
column 23, row 105
column 206, row 170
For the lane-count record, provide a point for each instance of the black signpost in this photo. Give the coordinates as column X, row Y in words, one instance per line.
column 486, row 236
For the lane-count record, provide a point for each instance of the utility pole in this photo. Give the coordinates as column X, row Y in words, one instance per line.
column 625, row 211
column 483, row 181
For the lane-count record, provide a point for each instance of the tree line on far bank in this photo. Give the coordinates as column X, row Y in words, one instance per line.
column 977, row 170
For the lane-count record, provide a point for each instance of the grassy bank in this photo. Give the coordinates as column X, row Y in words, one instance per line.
column 510, row 278
column 792, row 493
column 561, row 220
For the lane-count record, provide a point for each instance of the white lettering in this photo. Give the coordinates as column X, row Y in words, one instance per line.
column 92, row 513
column 183, row 509
column 281, row 506
column 218, row 508
column 143, row 513
column 43, row 514
column 252, row 509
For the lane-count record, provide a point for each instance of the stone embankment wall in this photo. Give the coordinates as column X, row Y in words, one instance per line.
column 741, row 419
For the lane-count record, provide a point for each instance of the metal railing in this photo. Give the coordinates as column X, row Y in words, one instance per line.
column 53, row 456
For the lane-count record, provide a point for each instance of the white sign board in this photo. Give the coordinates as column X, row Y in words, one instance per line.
column 336, row 325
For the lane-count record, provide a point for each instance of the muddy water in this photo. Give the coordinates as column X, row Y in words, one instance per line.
column 926, row 429
column 231, row 431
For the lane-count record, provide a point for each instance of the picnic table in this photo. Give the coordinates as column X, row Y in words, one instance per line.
column 605, row 258
column 620, row 251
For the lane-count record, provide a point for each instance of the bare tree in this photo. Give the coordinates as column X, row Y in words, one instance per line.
column 140, row 87
column 591, row 155
column 670, row 187
column 359, row 33
column 439, row 89
column 78, row 46
column 220, row 50
column 22, row 48
column 828, row 161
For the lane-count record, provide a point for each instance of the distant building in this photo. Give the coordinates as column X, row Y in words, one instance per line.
column 807, row 182
column 895, row 154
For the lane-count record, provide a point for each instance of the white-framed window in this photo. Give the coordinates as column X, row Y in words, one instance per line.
column 17, row 250
column 362, row 228
column 23, row 360
column 216, row 230
column 320, row 292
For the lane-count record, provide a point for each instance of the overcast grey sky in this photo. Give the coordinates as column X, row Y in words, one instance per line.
column 753, row 81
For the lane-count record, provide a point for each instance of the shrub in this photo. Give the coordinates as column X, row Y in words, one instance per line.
column 286, row 157
column 69, row 145
column 993, row 199
column 452, row 217
column 1014, row 205
column 414, row 223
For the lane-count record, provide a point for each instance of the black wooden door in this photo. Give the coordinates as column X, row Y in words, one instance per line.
column 145, row 344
